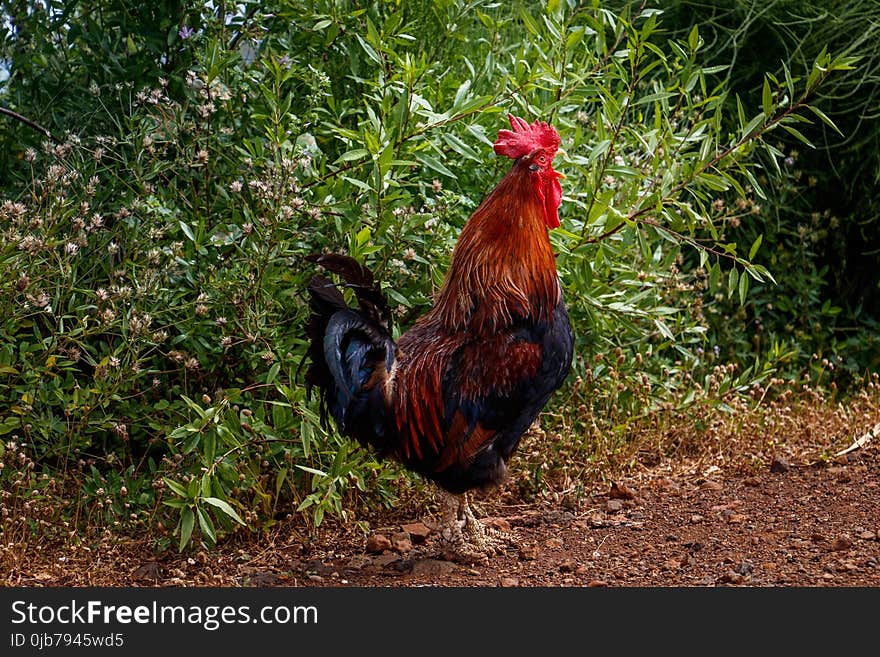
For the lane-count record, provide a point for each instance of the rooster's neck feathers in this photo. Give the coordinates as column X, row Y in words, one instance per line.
column 503, row 267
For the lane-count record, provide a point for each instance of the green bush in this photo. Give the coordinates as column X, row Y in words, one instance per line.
column 153, row 285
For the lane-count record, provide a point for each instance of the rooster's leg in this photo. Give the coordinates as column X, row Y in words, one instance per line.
column 454, row 510
column 487, row 539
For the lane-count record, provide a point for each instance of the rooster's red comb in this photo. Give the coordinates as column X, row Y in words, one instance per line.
column 525, row 138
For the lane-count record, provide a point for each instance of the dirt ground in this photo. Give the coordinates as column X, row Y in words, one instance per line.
column 789, row 524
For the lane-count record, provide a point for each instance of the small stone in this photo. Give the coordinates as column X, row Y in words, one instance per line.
column 614, row 506
column 498, row 524
column 621, row 492
column 401, row 542
column 418, row 531
column 711, row 485
column 840, row 543
column 596, row 583
column 384, row 561
column 509, row 582
column 745, row 568
column 553, row 543
column 731, row 577
column 528, row 552
column 672, row 564
column 841, row 474
column 377, row 543
column 567, row 566
column 736, row 518
column 696, row 518
column 316, row 578
column 753, row 482
column 433, row 567
column 779, row 465
column 867, row 535
column 582, row 570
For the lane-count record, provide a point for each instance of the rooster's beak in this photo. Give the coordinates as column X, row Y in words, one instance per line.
column 560, row 175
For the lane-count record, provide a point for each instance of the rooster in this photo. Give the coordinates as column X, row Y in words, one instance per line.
column 452, row 398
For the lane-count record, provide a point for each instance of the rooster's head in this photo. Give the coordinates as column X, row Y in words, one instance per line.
column 534, row 147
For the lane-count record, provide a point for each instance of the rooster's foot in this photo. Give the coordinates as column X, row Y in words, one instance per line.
column 468, row 540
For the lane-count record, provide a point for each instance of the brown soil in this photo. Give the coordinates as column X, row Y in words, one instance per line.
column 783, row 524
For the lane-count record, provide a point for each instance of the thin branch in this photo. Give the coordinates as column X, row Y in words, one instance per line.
column 31, row 124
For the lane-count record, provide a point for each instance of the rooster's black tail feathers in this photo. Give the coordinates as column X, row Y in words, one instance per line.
column 349, row 347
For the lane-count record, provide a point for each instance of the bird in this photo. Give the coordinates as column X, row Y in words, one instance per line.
column 451, row 398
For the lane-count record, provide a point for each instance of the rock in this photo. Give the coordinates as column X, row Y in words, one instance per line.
column 621, row 492
column 498, row 524
column 358, row 561
column 268, row 579
column 553, row 543
column 509, row 582
column 433, row 567
column 731, row 577
column 736, row 518
column 567, row 566
column 528, row 552
column 582, row 570
column 841, row 474
column 383, row 561
column 418, row 531
column 401, row 542
column 753, row 482
column 696, row 518
column 614, row 506
column 779, row 465
column 711, row 485
column 148, row 570
column 377, row 543
column 595, row 583
column 867, row 535
column 840, row 543
column 316, row 578
column 744, row 569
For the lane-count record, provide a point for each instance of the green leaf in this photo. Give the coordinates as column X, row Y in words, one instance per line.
column 224, row 507
column 461, row 94
column 273, row 372
column 436, row 165
column 714, row 277
column 371, row 53
column 178, row 489
column 797, row 135
column 313, row 471
column 732, row 279
column 743, row 289
column 460, row 147
column 755, row 246
column 187, row 231
column 825, row 119
column 187, row 522
column 206, row 526
column 351, row 156
column 767, row 98
column 694, row 38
